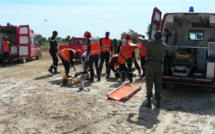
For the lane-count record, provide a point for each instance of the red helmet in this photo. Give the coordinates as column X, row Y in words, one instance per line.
column 86, row 34
column 127, row 36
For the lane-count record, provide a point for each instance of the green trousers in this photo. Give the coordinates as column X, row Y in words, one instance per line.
column 154, row 76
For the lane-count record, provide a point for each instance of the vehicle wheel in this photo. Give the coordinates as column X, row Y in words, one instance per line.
column 164, row 86
column 39, row 56
column 23, row 60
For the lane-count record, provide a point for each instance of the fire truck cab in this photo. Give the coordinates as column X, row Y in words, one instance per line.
column 190, row 39
column 24, row 44
column 78, row 44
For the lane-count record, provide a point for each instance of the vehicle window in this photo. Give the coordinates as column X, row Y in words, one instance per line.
column 154, row 27
column 32, row 41
column 78, row 42
column 196, row 35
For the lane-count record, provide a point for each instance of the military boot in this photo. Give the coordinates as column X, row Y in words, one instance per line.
column 51, row 69
column 157, row 104
column 148, row 103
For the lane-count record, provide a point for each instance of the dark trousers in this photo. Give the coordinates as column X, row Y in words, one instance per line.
column 104, row 56
column 111, row 66
column 154, row 76
column 129, row 65
column 5, row 56
column 66, row 66
column 54, row 58
column 143, row 63
column 123, row 71
column 136, row 65
column 94, row 59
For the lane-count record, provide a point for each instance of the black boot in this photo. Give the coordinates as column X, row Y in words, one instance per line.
column 51, row 69
column 122, row 77
column 157, row 104
column 91, row 79
column 117, row 74
column 99, row 78
column 130, row 76
column 148, row 103
column 130, row 79
column 55, row 70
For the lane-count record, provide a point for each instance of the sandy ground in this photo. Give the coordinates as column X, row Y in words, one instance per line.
column 32, row 101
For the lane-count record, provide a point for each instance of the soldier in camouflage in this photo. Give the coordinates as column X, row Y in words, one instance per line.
column 155, row 56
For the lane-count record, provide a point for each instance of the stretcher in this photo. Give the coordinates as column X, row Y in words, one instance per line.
column 124, row 92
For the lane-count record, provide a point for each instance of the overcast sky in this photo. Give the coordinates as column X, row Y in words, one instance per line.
column 74, row 17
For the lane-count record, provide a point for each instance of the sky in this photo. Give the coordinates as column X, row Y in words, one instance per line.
column 74, row 17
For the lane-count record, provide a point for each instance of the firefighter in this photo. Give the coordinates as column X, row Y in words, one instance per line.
column 113, row 66
column 155, row 57
column 66, row 55
column 93, row 50
column 130, row 55
column 106, row 46
column 53, row 52
column 125, row 56
column 142, row 55
column 5, row 49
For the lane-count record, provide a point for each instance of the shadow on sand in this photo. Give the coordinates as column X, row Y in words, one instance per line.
column 195, row 100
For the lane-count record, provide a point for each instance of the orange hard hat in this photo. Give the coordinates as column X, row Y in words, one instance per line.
column 86, row 34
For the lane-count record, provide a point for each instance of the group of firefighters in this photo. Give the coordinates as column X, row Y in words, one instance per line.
column 151, row 54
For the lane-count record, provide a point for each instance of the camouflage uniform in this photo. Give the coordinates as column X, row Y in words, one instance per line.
column 155, row 54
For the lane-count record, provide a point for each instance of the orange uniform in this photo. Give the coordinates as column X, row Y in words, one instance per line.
column 106, row 45
column 115, row 56
column 65, row 54
column 142, row 50
column 126, row 51
column 94, row 46
column 5, row 46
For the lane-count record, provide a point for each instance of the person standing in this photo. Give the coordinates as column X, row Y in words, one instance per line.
column 5, row 49
column 106, row 45
column 142, row 55
column 93, row 50
column 53, row 52
column 155, row 57
column 134, row 59
column 131, row 50
column 115, row 46
column 66, row 55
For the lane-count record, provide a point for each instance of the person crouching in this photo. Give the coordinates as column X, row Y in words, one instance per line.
column 66, row 56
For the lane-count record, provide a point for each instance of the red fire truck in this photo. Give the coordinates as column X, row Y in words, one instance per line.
column 190, row 39
column 78, row 44
column 24, row 45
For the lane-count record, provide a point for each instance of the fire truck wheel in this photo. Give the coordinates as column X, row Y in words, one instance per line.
column 23, row 60
column 39, row 56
